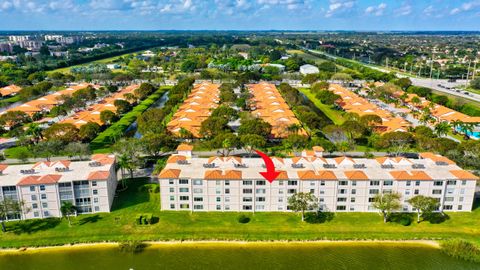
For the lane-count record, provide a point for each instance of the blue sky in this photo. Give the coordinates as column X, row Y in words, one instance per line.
column 239, row 14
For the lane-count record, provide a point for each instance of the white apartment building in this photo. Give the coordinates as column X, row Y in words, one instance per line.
column 44, row 186
column 340, row 184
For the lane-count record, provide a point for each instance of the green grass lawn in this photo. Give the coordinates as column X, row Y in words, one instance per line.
column 120, row 225
column 334, row 115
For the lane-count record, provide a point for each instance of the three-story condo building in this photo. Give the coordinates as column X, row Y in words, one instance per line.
column 340, row 184
column 43, row 187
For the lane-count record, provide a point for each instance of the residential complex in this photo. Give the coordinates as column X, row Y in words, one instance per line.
column 351, row 102
column 195, row 109
column 268, row 104
column 340, row 184
column 92, row 113
column 10, row 90
column 44, row 186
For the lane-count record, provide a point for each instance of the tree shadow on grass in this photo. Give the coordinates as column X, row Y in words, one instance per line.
column 90, row 219
column 402, row 218
column 436, row 218
column 34, row 225
column 318, row 217
column 133, row 195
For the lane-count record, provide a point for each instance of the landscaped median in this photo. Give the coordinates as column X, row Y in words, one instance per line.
column 115, row 131
column 334, row 115
column 121, row 225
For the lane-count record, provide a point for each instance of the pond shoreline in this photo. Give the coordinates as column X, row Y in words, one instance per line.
column 156, row 244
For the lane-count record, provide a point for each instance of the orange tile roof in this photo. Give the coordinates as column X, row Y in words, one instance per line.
column 184, row 147
column 39, row 180
column 98, row 175
column 410, row 175
column 3, row 167
column 356, row 175
column 436, row 158
column 175, row 158
column 311, row 175
column 464, row 175
column 8, row 90
column 169, row 173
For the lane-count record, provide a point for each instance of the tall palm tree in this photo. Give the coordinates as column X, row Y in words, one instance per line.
column 123, row 163
column 35, row 132
column 442, row 129
column 456, row 124
column 294, row 128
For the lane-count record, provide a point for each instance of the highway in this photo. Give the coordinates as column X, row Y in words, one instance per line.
column 423, row 82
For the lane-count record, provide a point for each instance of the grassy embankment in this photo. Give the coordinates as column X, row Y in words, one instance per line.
column 119, row 225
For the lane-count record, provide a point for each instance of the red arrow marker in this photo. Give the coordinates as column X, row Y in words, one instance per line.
column 270, row 175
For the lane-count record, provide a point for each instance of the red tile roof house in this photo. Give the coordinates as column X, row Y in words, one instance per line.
column 44, row 186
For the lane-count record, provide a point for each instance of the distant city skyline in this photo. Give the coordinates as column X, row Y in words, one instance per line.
column 360, row 15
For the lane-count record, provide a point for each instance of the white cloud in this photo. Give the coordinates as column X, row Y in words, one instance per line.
column 339, row 6
column 376, row 10
column 404, row 10
column 465, row 7
column 288, row 4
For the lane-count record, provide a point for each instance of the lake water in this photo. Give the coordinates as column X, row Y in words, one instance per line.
column 357, row 256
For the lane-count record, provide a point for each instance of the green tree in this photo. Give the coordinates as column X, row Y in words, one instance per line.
column 301, row 202
column 144, row 91
column 67, row 210
column 252, row 142
column 78, row 149
column 156, row 143
column 442, row 129
column 64, row 132
column 295, row 141
column 424, row 205
column 10, row 207
column 213, row 126
column 386, row 203
column 89, row 131
column 47, row 149
column 128, row 151
column 254, row 126
column 122, row 106
column 108, row 117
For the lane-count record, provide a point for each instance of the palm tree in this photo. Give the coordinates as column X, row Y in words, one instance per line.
column 442, row 129
column 35, row 132
column 67, row 210
column 294, row 128
column 456, row 124
column 123, row 163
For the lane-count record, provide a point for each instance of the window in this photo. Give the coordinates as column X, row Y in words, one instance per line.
column 374, row 183
column 218, row 190
column 417, row 183
column 373, row 191
column 448, row 207
column 312, row 190
column 227, row 191
column 183, row 189
column 95, row 200
column 459, row 207
column 341, row 207
column 45, row 205
column 464, row 183
column 34, row 197
column 172, row 206
column 341, row 199
column 260, row 191
column 183, row 181
column 184, row 206
column 352, row 199
column 260, row 182
column 43, row 196
column 387, row 191
column 371, row 199
column 450, row 190
column 197, row 190
column 462, row 191
column 247, row 207
column 342, row 191
column 34, row 205
column 227, row 199
column 409, row 183
column 321, row 199
column 246, row 183
column 198, row 182
column 97, row 208
column 460, row 199
column 416, row 192
column 32, row 188
column 292, row 191
column 322, row 183
column 46, row 213
column 184, row 198
column 247, row 191
column 260, row 207
column 171, row 182
column 227, row 183
column 280, row 191
column 312, row 183
column 172, row 189
column 449, row 199
column 198, row 207
column 407, row 192
column 280, row 183
column 36, row 214
column 280, row 199
column 354, row 191
column 218, row 183
column 322, row 191
column 42, row 187
column 198, row 199
column 343, row 183
column 227, row 207
column 352, row 208
column 451, row 182
column 94, row 183
column 95, row 192
column 436, row 191
column 388, row 183
column 354, row 183
column 219, row 199
column 292, row 183
column 247, row 199
column 219, row 207
column 260, row 199
column 438, row 183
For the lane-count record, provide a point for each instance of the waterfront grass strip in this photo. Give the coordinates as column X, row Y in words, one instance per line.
column 334, row 115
